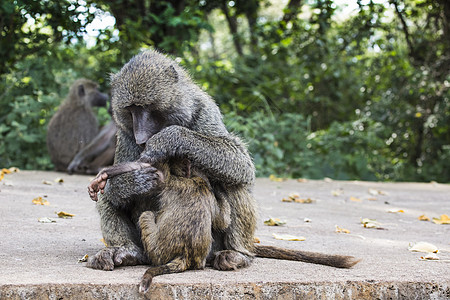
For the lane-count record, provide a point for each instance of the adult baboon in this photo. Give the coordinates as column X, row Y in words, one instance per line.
column 163, row 117
column 74, row 125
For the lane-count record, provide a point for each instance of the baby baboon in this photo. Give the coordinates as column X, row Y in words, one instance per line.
column 74, row 125
column 163, row 117
column 178, row 236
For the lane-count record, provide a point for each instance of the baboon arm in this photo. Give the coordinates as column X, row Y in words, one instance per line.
column 122, row 188
column 95, row 148
column 223, row 158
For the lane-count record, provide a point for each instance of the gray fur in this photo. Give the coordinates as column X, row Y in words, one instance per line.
column 189, row 128
column 193, row 130
column 74, row 125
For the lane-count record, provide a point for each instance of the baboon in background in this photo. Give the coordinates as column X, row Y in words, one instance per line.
column 97, row 154
column 74, row 125
column 163, row 117
column 186, row 200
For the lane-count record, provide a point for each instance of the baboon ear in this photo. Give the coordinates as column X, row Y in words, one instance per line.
column 81, row 91
column 172, row 73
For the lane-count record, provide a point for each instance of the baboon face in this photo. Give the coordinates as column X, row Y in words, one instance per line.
column 147, row 96
column 87, row 93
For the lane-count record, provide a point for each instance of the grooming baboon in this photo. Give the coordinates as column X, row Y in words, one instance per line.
column 178, row 236
column 157, row 106
column 74, row 125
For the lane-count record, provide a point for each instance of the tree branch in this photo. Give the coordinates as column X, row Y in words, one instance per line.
column 232, row 24
column 291, row 10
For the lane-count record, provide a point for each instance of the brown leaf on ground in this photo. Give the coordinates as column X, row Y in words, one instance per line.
column 256, row 240
column 276, row 179
column 84, row 258
column 354, row 199
column 274, row 222
column 337, row 192
column 104, row 242
column 59, row 180
column 288, row 237
column 47, row 182
column 302, row 180
column 64, row 215
column 424, row 218
column 341, row 230
column 430, row 256
column 40, row 201
column 296, row 198
column 46, row 220
column 375, row 192
column 443, row 219
column 371, row 223
column 394, row 211
column 424, row 247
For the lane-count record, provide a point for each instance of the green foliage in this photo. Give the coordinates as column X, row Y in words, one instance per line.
column 284, row 145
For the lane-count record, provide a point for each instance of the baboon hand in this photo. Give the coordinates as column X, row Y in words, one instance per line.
column 96, row 185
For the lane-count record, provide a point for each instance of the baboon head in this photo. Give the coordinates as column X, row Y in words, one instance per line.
column 150, row 93
column 85, row 92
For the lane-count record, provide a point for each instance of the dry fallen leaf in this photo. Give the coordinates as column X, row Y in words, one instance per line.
column 337, row 192
column 424, row 218
column 354, row 199
column 47, row 182
column 83, row 259
column 296, row 198
column 341, row 230
column 46, row 220
column 327, row 179
column 372, row 199
column 256, row 240
column 104, row 242
column 424, row 247
column 302, row 180
column 40, row 201
column 276, row 179
column 6, row 171
column 65, row 215
column 443, row 219
column 371, row 223
column 3, row 172
column 375, row 192
column 59, row 180
column 430, row 256
column 393, row 210
column 14, row 169
column 307, row 220
column 274, row 222
column 288, row 237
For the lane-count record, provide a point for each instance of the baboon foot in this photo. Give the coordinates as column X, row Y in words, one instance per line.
column 228, row 260
column 110, row 257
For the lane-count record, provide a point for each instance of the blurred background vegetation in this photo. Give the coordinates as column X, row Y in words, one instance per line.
column 344, row 89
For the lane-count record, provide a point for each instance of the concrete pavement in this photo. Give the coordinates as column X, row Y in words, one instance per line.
column 40, row 260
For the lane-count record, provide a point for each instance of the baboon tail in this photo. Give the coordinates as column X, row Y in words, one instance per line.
column 176, row 265
column 338, row 261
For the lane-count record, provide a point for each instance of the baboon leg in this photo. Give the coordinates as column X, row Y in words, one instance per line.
column 149, row 234
column 124, row 247
column 238, row 239
column 177, row 265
